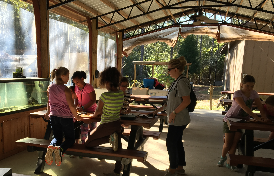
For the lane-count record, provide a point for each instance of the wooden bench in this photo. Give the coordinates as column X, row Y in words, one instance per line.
column 154, row 134
column 81, row 150
column 224, row 113
column 251, row 160
column 142, row 107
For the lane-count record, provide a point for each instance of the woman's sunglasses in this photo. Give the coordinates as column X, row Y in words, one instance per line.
column 169, row 69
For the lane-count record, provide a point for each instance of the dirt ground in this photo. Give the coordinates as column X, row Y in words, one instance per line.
column 202, row 94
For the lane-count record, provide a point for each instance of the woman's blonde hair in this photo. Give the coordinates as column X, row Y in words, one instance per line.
column 57, row 73
column 178, row 63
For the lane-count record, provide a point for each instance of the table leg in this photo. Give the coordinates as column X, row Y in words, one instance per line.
column 131, row 144
column 41, row 154
column 249, row 149
column 161, row 124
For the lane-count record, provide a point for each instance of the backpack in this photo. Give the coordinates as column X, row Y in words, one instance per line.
column 192, row 95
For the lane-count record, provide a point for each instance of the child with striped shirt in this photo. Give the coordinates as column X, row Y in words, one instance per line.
column 108, row 108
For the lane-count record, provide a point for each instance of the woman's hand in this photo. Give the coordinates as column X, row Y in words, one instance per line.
column 171, row 117
column 79, row 109
column 78, row 117
column 255, row 117
column 47, row 116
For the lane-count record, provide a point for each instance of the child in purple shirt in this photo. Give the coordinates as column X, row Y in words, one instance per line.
column 61, row 110
column 241, row 108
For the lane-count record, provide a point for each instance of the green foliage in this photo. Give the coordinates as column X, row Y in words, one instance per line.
column 189, row 49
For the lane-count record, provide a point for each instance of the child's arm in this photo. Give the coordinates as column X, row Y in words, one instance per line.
column 92, row 97
column 71, row 103
column 242, row 104
column 99, row 109
column 260, row 107
column 47, row 113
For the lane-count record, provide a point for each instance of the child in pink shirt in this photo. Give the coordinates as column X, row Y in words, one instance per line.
column 241, row 108
column 86, row 101
column 61, row 110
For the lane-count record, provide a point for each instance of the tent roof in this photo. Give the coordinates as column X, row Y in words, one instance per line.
column 136, row 17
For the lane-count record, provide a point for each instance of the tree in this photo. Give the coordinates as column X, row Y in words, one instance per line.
column 189, row 49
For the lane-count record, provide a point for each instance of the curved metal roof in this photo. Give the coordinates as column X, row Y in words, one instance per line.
column 137, row 17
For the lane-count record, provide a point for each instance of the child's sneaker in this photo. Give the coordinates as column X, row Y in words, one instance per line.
column 48, row 156
column 180, row 172
column 113, row 140
column 233, row 168
column 222, row 161
column 58, row 155
column 170, row 174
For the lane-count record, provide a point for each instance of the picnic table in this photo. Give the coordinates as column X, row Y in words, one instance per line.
column 260, row 93
column 147, row 99
column 248, row 148
column 136, row 132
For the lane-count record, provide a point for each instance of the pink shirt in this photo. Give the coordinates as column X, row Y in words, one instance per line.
column 235, row 111
column 83, row 97
column 58, row 102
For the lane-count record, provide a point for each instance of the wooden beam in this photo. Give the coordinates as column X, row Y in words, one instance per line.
column 81, row 17
column 119, row 40
column 180, row 5
column 42, row 21
column 90, row 48
column 114, row 7
column 94, row 35
column 95, row 13
column 38, row 35
column 142, row 9
column 169, row 11
column 160, row 5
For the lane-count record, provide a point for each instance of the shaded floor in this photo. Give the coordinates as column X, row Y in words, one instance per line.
column 203, row 145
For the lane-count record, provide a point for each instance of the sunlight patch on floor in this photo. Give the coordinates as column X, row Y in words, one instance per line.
column 50, row 172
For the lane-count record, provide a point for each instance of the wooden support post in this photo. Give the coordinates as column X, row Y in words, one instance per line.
column 134, row 75
column 42, row 37
column 93, row 35
column 152, row 71
column 119, row 42
column 210, row 96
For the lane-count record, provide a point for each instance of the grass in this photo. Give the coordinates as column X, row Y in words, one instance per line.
column 202, row 94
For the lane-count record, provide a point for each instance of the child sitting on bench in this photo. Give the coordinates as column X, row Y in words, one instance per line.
column 61, row 110
column 269, row 109
column 108, row 108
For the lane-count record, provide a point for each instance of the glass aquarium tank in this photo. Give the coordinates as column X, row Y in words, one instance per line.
column 21, row 94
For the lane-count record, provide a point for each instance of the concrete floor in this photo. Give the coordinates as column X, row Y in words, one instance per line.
column 202, row 140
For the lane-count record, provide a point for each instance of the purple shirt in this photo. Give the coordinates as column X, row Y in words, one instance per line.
column 58, row 102
column 83, row 97
column 235, row 111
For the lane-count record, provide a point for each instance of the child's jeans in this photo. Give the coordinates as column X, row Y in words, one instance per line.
column 86, row 129
column 59, row 126
column 100, row 135
column 175, row 146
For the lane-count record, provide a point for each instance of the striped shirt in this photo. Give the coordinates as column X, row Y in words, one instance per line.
column 113, row 102
column 58, row 102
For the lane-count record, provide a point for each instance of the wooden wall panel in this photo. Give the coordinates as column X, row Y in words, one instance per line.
column 235, row 67
column 248, row 56
column 269, row 77
column 37, row 128
column 260, row 85
column 14, row 127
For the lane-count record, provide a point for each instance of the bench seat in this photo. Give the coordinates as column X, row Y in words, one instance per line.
column 154, row 134
column 224, row 113
column 142, row 107
column 80, row 148
column 251, row 160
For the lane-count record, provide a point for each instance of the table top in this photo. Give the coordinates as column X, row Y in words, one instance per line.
column 148, row 97
column 235, row 124
column 88, row 118
column 260, row 93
